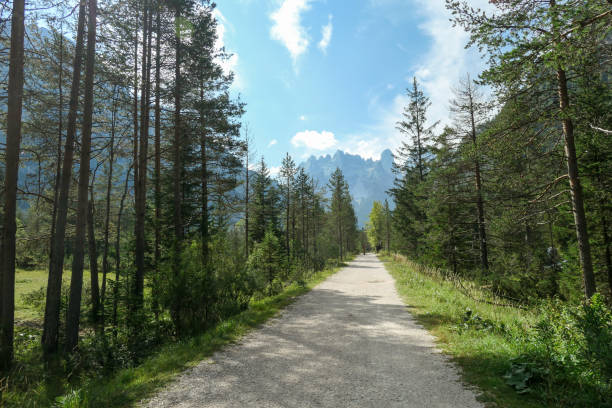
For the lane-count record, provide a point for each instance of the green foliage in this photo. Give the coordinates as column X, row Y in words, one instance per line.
column 203, row 294
column 522, row 374
column 74, row 399
column 264, row 206
column 376, row 224
column 266, row 265
column 473, row 321
column 569, row 346
column 343, row 222
column 555, row 352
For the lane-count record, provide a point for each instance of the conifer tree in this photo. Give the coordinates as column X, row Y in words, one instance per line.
column 532, row 46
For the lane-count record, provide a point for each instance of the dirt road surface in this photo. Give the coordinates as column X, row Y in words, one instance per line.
column 350, row 342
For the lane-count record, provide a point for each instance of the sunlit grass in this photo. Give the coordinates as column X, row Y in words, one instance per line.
column 28, row 281
column 483, row 355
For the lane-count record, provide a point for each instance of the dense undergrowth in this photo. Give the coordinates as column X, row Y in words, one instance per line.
column 552, row 353
column 105, row 372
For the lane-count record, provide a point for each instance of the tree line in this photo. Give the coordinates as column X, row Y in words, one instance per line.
column 125, row 156
column 516, row 190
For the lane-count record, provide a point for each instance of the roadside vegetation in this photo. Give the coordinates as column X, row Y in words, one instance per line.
column 546, row 354
column 96, row 386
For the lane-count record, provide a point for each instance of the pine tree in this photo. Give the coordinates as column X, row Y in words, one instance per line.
column 287, row 174
column 264, row 210
column 470, row 112
column 532, row 46
column 50, row 335
column 13, row 140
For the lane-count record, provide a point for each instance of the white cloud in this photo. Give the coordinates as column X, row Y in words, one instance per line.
column 313, row 140
column 437, row 71
column 274, row 170
column 326, row 34
column 287, row 28
column 272, row 143
column 230, row 64
column 302, row 117
column 371, row 140
column 368, row 148
column 447, row 60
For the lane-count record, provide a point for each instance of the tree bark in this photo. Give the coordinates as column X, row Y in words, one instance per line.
column 482, row 233
column 58, row 168
column 13, row 143
column 140, row 187
column 93, row 260
column 287, row 216
column 246, row 201
column 118, row 254
column 157, row 171
column 178, row 196
column 76, row 280
column 56, row 264
column 582, row 235
column 109, row 185
column 607, row 254
column 204, row 180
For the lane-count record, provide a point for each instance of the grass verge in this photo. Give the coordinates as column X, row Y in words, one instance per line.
column 478, row 336
column 128, row 386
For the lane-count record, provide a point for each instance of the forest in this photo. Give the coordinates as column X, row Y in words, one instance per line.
column 132, row 192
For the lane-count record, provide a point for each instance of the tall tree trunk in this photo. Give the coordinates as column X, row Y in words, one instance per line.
column 178, row 196
column 118, row 254
column 287, row 216
column 109, row 185
column 177, row 167
column 204, row 180
column 58, row 168
column 482, row 233
column 140, row 187
column 388, row 225
column 157, row 175
column 582, row 235
column 76, row 280
column 246, row 200
column 340, row 234
column 56, row 264
column 93, row 259
column 13, row 143
column 135, row 101
column 607, row 255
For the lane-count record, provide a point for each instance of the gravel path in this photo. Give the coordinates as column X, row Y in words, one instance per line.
column 350, row 342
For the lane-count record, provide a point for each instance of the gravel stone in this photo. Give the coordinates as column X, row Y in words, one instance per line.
column 350, row 342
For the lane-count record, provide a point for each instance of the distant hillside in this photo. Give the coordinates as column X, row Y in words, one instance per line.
column 368, row 179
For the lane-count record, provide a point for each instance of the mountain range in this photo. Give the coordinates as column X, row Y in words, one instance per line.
column 368, row 179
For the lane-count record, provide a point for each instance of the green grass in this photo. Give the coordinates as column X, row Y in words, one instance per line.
column 28, row 281
column 484, row 355
column 128, row 386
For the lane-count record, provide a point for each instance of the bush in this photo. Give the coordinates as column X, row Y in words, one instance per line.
column 570, row 347
column 203, row 294
column 266, row 264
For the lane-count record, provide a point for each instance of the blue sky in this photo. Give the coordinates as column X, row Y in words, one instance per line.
column 322, row 75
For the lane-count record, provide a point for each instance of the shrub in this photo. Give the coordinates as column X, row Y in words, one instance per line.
column 266, row 263
column 570, row 347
